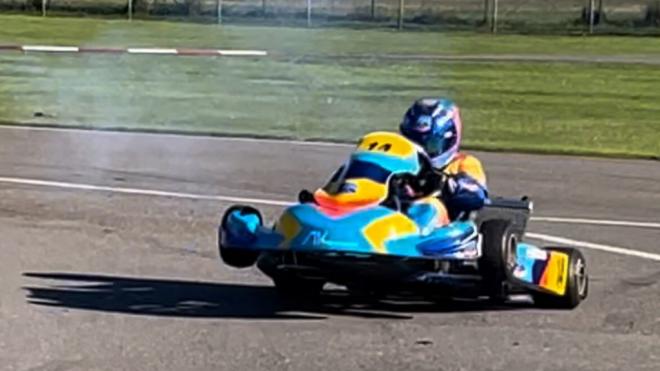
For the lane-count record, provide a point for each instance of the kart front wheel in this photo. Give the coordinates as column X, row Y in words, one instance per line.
column 238, row 258
column 577, row 283
column 235, row 256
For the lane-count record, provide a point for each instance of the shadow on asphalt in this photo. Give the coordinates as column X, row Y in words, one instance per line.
column 175, row 298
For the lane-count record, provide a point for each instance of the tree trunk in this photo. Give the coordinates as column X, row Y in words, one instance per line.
column 487, row 12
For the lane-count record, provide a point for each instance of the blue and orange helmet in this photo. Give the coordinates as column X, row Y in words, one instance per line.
column 434, row 124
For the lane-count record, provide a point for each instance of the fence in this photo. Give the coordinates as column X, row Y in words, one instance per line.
column 494, row 15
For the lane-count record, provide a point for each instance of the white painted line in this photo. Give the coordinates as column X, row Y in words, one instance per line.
column 243, row 53
column 151, row 51
column 45, row 48
column 174, row 135
column 142, row 192
column 617, row 223
column 167, row 51
column 155, row 193
column 594, row 246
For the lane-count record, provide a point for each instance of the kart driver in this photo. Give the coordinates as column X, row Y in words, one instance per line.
column 435, row 125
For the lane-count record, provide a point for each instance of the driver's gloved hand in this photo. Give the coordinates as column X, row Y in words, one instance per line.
column 463, row 193
column 451, row 185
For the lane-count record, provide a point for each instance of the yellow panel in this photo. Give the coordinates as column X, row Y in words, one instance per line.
column 367, row 192
column 388, row 143
column 555, row 277
column 288, row 227
column 390, row 227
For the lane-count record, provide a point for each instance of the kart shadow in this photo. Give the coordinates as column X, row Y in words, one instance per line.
column 176, row 298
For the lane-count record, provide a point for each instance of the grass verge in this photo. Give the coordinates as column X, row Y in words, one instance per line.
column 103, row 32
column 531, row 107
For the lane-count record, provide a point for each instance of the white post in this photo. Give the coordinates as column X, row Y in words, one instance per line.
column 130, row 10
column 44, row 5
column 493, row 18
column 309, row 13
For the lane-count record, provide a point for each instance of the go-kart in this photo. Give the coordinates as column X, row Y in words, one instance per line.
column 359, row 232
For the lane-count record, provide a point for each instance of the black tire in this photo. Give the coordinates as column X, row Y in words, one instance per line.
column 498, row 257
column 577, row 285
column 235, row 256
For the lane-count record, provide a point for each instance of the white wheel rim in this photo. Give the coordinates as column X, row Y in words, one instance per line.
column 581, row 277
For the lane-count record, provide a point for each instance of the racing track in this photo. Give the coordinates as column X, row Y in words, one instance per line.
column 99, row 280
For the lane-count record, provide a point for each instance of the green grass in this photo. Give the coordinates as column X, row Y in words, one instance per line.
column 539, row 107
column 562, row 108
column 84, row 31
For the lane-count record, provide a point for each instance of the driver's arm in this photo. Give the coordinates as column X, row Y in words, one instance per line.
column 466, row 189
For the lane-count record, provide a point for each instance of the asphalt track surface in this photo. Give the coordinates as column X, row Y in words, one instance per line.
column 99, row 280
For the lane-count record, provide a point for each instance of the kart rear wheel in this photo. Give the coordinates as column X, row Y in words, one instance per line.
column 577, row 283
column 235, row 256
column 498, row 257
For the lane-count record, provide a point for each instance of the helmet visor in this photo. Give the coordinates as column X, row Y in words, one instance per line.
column 434, row 140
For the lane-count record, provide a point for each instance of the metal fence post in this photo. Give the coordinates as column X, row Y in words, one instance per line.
column 309, row 13
column 130, row 10
column 219, row 11
column 44, row 4
column 400, row 19
column 493, row 18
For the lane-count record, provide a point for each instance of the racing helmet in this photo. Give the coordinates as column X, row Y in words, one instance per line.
column 434, row 124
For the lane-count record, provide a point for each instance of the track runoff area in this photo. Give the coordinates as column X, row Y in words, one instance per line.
column 281, row 203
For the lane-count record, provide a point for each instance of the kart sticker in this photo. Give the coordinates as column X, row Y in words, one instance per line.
column 386, row 143
column 288, row 227
column 537, row 254
column 555, row 276
column 393, row 226
column 519, row 272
